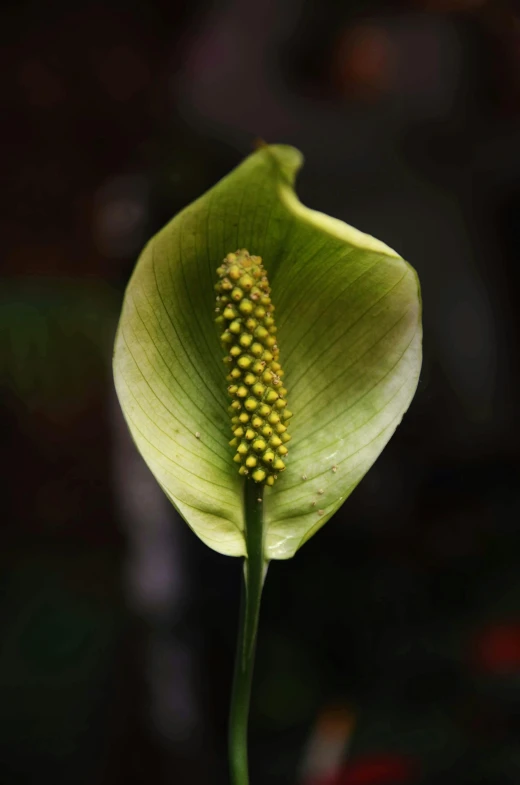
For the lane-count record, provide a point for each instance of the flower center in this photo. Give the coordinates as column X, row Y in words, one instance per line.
column 259, row 407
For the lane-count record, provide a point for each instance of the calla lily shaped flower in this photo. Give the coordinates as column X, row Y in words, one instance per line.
column 265, row 355
column 348, row 334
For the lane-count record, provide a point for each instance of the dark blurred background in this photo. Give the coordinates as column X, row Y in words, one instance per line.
column 390, row 646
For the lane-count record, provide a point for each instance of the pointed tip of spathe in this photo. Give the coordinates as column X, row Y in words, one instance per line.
column 287, row 159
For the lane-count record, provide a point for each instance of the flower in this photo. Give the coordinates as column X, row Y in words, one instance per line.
column 348, row 318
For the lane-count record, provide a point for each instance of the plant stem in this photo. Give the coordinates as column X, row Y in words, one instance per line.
column 255, row 567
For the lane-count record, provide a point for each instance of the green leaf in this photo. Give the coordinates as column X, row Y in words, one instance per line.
column 349, row 331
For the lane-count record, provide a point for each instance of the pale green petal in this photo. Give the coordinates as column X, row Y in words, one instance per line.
column 348, row 316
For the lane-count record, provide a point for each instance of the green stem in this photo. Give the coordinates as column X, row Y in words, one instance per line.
column 255, row 567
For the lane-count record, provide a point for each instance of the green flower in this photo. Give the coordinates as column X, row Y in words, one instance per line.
column 346, row 340
column 349, row 336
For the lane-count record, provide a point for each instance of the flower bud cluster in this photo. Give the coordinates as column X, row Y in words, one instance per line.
column 259, row 408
